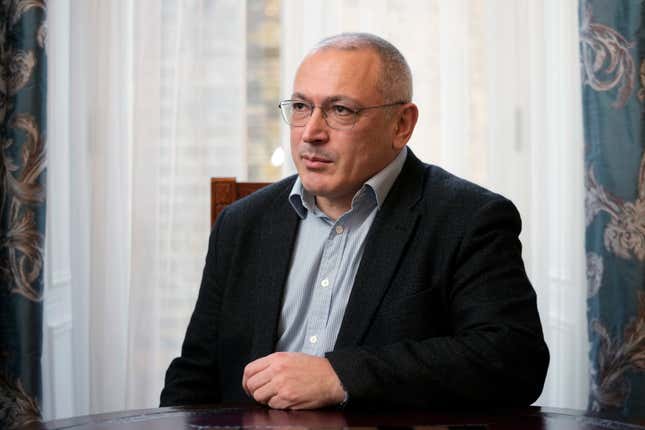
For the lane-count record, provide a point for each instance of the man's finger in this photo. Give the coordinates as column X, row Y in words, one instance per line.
column 252, row 368
column 258, row 380
column 264, row 393
column 277, row 402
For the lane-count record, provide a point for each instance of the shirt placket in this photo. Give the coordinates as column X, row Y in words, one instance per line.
column 324, row 287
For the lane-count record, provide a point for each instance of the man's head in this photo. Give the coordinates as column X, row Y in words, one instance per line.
column 344, row 74
column 394, row 78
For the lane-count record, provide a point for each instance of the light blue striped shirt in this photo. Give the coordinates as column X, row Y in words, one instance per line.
column 325, row 260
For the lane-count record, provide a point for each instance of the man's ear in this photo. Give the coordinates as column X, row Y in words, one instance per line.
column 404, row 126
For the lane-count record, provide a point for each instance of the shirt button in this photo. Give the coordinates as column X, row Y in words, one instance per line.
column 313, row 339
column 325, row 283
column 339, row 229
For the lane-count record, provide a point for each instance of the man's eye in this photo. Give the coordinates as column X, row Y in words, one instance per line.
column 341, row 110
column 299, row 106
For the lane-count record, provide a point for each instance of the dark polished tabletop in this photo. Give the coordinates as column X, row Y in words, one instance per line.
column 222, row 417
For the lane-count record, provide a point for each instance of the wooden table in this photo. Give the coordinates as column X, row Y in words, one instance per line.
column 259, row 418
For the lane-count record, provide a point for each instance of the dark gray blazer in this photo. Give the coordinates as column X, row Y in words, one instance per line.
column 441, row 312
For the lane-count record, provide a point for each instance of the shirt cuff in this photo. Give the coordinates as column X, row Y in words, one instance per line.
column 342, row 404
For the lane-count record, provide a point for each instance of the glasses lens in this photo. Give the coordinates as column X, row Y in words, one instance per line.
column 295, row 113
column 340, row 117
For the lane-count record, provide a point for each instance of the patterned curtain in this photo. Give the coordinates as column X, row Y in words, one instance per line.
column 612, row 47
column 23, row 109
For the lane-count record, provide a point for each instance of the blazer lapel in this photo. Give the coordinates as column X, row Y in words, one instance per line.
column 278, row 231
column 392, row 229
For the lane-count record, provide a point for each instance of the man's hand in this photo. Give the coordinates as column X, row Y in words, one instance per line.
column 292, row 380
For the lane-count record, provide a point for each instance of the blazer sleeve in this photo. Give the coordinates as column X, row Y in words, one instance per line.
column 495, row 353
column 191, row 378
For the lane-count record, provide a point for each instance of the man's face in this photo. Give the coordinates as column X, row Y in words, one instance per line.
column 334, row 164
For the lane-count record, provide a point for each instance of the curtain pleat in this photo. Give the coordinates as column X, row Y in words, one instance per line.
column 23, row 94
column 612, row 46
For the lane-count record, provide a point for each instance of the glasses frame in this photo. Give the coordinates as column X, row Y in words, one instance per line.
column 356, row 112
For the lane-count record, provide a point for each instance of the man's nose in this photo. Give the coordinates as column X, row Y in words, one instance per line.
column 316, row 130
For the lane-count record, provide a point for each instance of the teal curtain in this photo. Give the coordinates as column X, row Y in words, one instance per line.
column 613, row 74
column 23, row 112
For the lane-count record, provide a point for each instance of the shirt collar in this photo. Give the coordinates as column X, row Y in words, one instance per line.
column 302, row 201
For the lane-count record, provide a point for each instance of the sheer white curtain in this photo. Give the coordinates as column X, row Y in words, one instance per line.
column 498, row 89
column 188, row 111
column 157, row 104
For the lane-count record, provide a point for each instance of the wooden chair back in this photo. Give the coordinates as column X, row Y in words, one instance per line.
column 225, row 191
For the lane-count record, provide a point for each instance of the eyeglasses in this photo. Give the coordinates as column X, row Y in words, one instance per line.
column 296, row 113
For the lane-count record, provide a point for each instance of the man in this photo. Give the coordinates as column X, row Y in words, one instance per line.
column 370, row 278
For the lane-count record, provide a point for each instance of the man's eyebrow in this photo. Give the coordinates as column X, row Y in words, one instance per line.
column 328, row 100
column 300, row 96
column 342, row 99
